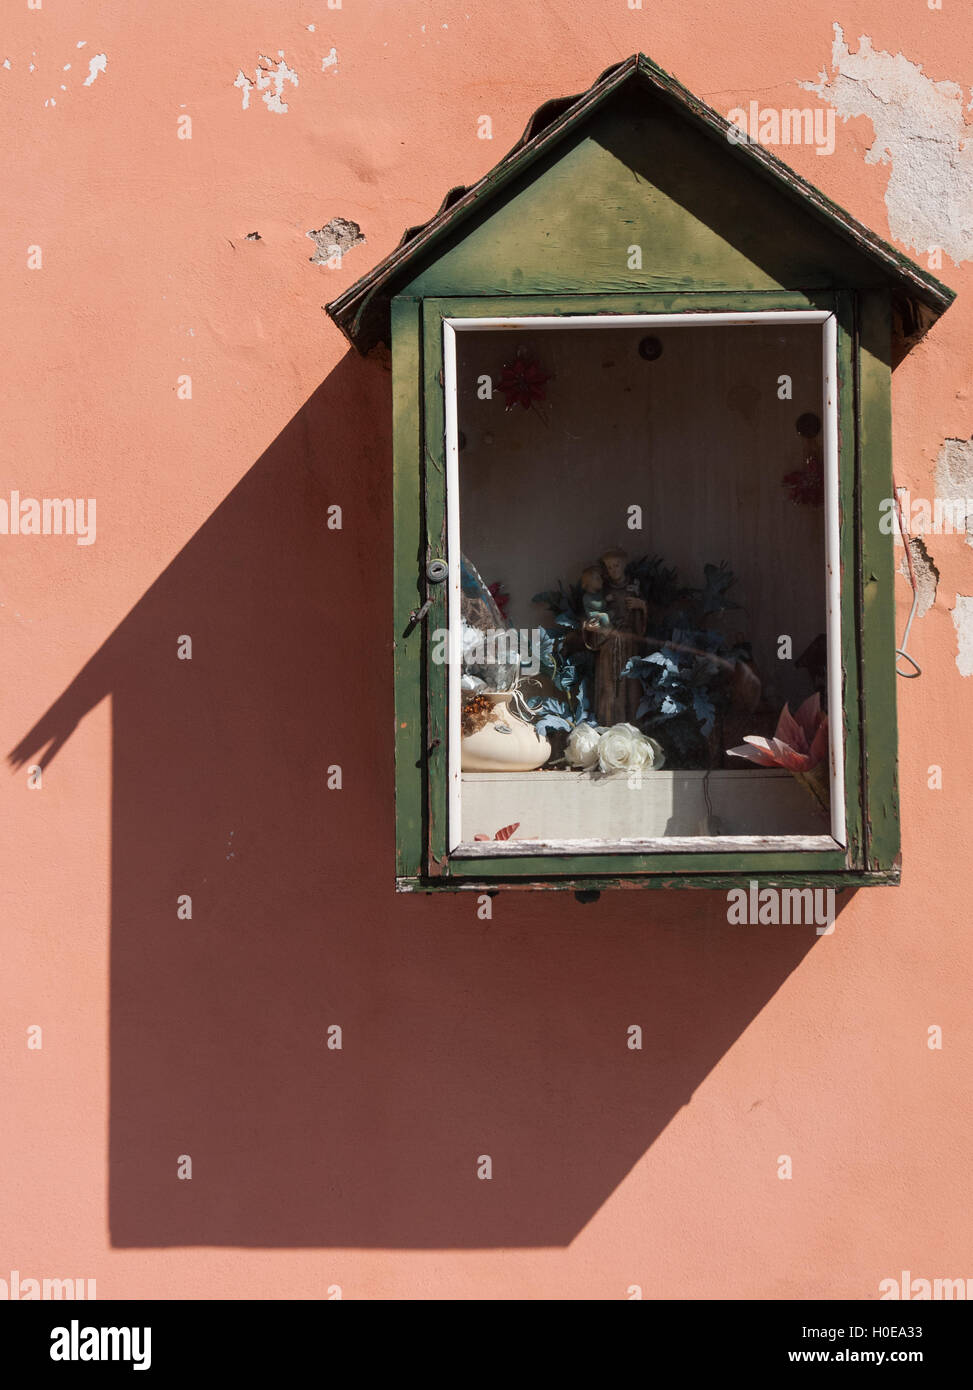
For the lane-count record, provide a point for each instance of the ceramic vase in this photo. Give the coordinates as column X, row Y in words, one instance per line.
column 506, row 743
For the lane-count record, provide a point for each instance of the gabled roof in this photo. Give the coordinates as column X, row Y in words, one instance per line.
column 362, row 312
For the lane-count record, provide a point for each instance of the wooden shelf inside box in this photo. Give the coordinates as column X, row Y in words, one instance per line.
column 566, row 805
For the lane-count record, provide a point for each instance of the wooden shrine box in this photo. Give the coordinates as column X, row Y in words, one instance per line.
column 642, row 359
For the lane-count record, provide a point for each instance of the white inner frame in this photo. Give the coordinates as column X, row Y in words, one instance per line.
column 703, row 843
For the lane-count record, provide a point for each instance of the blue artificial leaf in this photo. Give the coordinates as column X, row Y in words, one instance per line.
column 560, row 600
column 553, row 714
column 655, row 668
column 550, row 598
column 704, row 711
column 635, row 668
column 546, row 656
column 718, row 578
column 583, row 713
column 548, row 723
column 567, row 676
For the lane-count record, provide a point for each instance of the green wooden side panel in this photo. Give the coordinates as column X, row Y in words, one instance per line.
column 434, row 542
column 839, row 880
column 848, row 506
column 637, row 174
column 760, row 865
column 878, row 584
column 408, row 650
column 649, row 302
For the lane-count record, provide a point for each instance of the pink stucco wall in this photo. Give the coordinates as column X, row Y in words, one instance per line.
column 163, row 1037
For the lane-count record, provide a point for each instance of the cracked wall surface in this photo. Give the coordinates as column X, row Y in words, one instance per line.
column 920, row 132
column 927, row 575
column 963, row 622
column 337, row 235
column 954, row 479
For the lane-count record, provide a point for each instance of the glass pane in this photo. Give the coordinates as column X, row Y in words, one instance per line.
column 642, row 540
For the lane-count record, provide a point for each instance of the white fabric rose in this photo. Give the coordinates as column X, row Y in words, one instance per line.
column 623, row 747
column 582, row 746
column 471, row 644
column 658, row 757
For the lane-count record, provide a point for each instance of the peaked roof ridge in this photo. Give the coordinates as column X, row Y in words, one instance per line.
column 546, row 114
column 552, row 120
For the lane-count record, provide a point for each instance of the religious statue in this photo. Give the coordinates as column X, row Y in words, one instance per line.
column 614, row 628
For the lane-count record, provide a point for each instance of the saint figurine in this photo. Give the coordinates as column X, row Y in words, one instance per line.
column 614, row 628
column 593, row 600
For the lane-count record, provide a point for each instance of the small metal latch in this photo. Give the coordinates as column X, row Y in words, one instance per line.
column 417, row 615
column 436, row 573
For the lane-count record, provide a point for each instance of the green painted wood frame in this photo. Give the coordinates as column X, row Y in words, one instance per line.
column 866, row 600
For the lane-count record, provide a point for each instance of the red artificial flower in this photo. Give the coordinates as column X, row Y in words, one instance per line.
column 800, row 741
column 503, row 834
column 500, row 597
column 806, row 485
column 522, row 382
column 800, row 744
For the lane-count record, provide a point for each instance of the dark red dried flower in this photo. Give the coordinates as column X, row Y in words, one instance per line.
column 522, row 382
column 500, row 597
column 476, row 714
column 806, row 485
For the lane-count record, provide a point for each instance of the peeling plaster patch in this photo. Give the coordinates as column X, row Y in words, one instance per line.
column 96, row 65
column 265, row 77
column 340, row 235
column 82, row 43
column 243, row 81
column 963, row 622
column 6, row 62
column 920, row 132
column 927, row 575
column 309, row 28
column 253, row 236
column 330, row 60
column 954, row 476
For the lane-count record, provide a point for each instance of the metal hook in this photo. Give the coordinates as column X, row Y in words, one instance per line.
column 901, row 651
column 907, row 675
